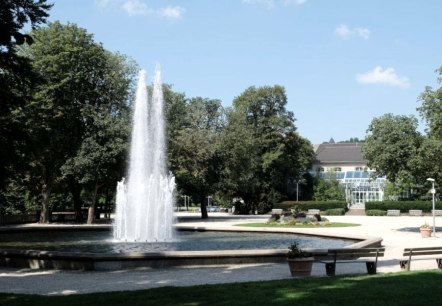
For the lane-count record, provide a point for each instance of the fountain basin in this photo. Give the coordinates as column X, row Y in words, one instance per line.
column 40, row 259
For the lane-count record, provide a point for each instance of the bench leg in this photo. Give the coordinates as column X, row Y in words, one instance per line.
column 371, row 267
column 405, row 265
column 439, row 263
column 330, row 268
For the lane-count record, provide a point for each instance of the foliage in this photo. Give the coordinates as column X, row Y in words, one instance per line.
column 403, row 206
column 335, row 212
column 375, row 212
column 390, row 145
column 261, row 148
column 17, row 81
column 352, row 140
column 296, row 252
column 14, row 15
column 430, row 110
column 306, row 205
column 328, row 190
column 425, row 226
column 77, row 118
column 196, row 161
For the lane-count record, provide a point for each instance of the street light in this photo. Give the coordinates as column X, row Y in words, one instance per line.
column 433, row 191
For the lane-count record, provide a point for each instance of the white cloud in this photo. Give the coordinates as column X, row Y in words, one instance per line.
column 141, row 7
column 135, row 7
column 175, row 12
column 345, row 32
column 387, row 76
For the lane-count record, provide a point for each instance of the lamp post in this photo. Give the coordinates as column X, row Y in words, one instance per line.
column 433, row 191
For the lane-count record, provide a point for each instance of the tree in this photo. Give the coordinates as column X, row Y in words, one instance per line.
column 431, row 108
column 85, row 89
column 328, row 190
column 428, row 162
column 197, row 161
column 390, row 145
column 17, row 80
column 262, row 148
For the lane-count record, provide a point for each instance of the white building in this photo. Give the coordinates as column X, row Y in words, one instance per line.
column 345, row 162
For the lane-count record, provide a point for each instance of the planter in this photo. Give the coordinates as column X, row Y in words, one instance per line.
column 426, row 232
column 301, row 266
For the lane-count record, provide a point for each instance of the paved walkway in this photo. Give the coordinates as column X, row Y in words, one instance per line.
column 397, row 232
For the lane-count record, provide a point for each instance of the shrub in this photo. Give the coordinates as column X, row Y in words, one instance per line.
column 335, row 212
column 376, row 212
column 403, row 206
column 306, row 205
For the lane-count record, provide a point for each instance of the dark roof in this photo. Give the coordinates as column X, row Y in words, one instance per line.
column 339, row 153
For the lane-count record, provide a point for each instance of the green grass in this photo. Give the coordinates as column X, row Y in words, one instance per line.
column 333, row 224
column 415, row 288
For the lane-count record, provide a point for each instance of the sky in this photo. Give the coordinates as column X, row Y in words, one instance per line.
column 342, row 62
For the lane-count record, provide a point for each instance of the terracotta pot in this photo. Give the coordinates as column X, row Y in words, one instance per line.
column 426, row 232
column 301, row 266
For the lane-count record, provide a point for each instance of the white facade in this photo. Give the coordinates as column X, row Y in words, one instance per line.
column 345, row 163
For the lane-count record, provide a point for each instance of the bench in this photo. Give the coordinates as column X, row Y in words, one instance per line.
column 437, row 212
column 393, row 212
column 426, row 253
column 415, row 212
column 367, row 255
column 276, row 211
column 61, row 216
column 313, row 212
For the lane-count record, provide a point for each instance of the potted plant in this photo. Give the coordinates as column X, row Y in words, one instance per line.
column 300, row 262
column 425, row 230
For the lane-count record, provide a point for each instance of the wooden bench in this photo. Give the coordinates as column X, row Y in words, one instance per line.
column 422, row 253
column 393, row 212
column 367, row 255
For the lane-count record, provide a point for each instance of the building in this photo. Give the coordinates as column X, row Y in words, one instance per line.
column 345, row 162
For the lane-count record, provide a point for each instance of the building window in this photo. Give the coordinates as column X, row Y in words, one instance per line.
column 359, row 168
column 337, row 169
column 321, row 169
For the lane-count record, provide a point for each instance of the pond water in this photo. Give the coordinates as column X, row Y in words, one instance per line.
column 93, row 241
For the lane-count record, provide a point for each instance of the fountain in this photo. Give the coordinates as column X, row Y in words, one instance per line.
column 144, row 216
column 144, row 204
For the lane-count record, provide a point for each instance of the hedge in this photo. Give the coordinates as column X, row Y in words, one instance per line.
column 403, row 206
column 335, row 212
column 376, row 212
column 306, row 205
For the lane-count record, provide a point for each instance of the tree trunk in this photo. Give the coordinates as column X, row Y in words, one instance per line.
column 76, row 198
column 204, row 214
column 91, row 210
column 46, row 194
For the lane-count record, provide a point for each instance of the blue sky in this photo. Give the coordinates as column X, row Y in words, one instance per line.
column 342, row 62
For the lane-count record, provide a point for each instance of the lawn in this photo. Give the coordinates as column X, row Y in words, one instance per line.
column 382, row 289
column 299, row 225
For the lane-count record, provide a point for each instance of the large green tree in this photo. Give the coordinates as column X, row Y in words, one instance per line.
column 391, row 144
column 84, row 89
column 431, row 108
column 17, row 80
column 262, row 149
column 428, row 162
column 100, row 158
column 196, row 162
